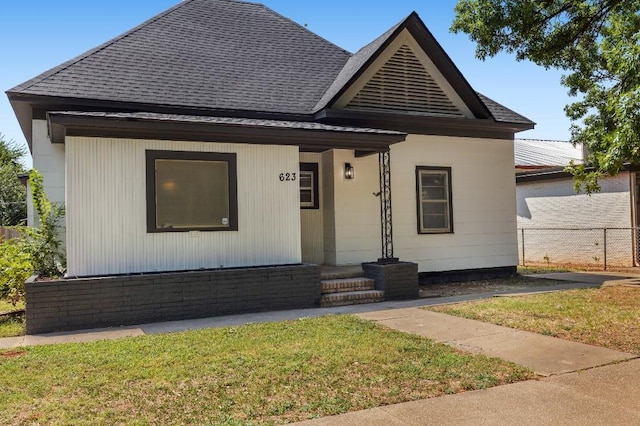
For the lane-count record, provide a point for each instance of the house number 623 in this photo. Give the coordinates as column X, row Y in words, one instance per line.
column 287, row 177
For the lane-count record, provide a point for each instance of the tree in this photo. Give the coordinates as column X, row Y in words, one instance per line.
column 598, row 43
column 13, row 195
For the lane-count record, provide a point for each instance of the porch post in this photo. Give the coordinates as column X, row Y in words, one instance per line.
column 384, row 167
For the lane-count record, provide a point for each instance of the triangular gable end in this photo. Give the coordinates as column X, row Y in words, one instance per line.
column 403, row 79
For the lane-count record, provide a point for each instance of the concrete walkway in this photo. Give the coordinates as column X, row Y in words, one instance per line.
column 543, row 354
column 607, row 395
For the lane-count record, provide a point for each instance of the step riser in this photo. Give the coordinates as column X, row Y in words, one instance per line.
column 347, row 285
column 352, row 298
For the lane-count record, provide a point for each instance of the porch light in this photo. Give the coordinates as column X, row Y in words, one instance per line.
column 349, row 173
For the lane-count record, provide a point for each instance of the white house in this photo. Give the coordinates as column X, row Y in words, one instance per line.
column 221, row 136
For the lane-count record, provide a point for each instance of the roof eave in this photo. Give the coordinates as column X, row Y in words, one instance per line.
column 422, row 124
column 62, row 125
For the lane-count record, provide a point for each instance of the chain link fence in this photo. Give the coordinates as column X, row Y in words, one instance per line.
column 583, row 247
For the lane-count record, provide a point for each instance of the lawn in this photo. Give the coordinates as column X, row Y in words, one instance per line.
column 254, row 374
column 608, row 316
column 11, row 325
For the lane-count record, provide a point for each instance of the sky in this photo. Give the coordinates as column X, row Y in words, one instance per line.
column 39, row 34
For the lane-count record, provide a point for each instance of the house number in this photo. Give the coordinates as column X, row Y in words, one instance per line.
column 287, row 177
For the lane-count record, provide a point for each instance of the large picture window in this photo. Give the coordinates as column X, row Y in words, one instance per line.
column 191, row 191
column 309, row 196
column 433, row 185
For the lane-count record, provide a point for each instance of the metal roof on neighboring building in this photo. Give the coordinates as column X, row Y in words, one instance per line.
column 545, row 153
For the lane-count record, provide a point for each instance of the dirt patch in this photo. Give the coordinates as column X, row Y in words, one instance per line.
column 497, row 285
column 12, row 354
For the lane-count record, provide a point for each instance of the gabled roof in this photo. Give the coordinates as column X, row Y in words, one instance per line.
column 228, row 58
column 545, row 153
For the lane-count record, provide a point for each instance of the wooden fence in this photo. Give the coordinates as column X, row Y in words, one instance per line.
column 8, row 233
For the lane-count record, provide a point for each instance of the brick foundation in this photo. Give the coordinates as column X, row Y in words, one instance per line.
column 73, row 304
column 399, row 281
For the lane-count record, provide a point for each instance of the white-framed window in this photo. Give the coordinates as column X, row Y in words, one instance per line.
column 434, row 209
column 191, row 191
column 308, row 180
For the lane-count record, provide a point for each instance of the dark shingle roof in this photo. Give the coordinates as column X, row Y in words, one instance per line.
column 353, row 65
column 503, row 114
column 218, row 54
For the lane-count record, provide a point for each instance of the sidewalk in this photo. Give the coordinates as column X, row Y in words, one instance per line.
column 582, row 384
column 601, row 396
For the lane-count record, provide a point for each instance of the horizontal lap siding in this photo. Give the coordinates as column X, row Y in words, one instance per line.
column 106, row 211
column 484, row 216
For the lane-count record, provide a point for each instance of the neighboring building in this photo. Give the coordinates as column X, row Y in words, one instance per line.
column 221, row 135
column 565, row 226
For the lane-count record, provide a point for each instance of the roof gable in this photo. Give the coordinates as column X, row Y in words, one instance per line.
column 439, row 87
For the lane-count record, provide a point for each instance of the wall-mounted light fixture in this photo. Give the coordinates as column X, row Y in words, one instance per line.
column 349, row 173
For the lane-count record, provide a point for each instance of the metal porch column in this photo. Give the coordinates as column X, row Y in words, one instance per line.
column 384, row 166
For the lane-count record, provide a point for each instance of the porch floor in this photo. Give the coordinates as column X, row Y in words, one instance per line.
column 328, row 272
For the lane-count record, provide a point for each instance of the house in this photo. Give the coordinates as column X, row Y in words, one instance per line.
column 558, row 225
column 210, row 158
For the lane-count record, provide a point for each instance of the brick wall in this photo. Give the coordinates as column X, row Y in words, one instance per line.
column 74, row 304
column 399, row 281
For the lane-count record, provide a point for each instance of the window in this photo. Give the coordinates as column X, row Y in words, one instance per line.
column 433, row 185
column 191, row 191
column 309, row 197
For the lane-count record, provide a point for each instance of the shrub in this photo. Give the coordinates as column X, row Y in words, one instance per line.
column 15, row 268
column 36, row 250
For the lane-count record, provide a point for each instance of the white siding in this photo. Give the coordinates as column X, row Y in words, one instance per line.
column 484, row 214
column 48, row 159
column 555, row 204
column 327, row 204
column 106, row 211
column 312, row 232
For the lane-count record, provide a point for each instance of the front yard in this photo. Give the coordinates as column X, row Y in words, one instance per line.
column 262, row 373
column 608, row 316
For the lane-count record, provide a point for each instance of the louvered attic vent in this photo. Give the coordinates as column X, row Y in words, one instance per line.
column 403, row 84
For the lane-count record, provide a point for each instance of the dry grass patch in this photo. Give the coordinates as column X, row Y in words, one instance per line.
column 608, row 316
column 11, row 325
column 255, row 374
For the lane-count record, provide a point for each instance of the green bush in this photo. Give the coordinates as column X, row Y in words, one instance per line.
column 15, row 268
column 37, row 250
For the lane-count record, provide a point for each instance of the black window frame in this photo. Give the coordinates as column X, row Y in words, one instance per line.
column 312, row 167
column 449, row 187
column 229, row 158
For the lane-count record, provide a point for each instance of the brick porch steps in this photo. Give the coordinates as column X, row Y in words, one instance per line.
column 347, row 284
column 349, row 291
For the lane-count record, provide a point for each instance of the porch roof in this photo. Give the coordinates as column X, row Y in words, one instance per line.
column 309, row 136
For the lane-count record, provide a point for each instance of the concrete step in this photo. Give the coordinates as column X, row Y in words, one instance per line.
column 347, row 284
column 351, row 298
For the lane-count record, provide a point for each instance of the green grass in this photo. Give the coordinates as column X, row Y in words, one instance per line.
column 608, row 317
column 10, row 325
column 254, row 374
